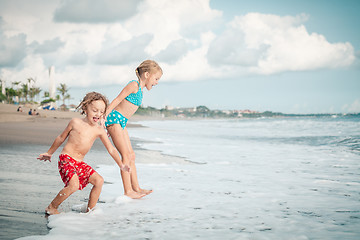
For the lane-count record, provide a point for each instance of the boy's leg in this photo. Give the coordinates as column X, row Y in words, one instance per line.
column 98, row 181
column 72, row 187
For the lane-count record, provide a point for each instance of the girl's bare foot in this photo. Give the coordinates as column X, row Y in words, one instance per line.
column 135, row 195
column 50, row 210
column 144, row 191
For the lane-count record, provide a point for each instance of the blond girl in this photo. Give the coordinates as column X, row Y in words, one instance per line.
column 117, row 115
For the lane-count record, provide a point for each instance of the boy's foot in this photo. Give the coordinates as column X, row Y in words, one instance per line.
column 51, row 211
column 135, row 195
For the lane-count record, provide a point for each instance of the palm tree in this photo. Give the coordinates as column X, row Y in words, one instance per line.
column 31, row 80
column 10, row 94
column 67, row 97
column 37, row 92
column 2, row 85
column 57, row 99
column 16, row 84
column 31, row 89
column 63, row 90
column 25, row 91
column 17, row 90
column 34, row 91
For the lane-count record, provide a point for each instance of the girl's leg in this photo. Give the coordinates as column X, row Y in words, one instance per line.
column 98, row 181
column 72, row 187
column 134, row 179
column 122, row 145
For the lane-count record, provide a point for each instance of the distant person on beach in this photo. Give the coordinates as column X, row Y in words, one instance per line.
column 19, row 109
column 81, row 134
column 34, row 112
column 30, row 112
column 117, row 115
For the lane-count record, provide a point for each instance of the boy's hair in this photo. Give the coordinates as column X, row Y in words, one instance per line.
column 89, row 98
column 149, row 66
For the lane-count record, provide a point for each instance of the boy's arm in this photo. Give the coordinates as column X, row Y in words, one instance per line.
column 57, row 142
column 112, row 151
column 128, row 89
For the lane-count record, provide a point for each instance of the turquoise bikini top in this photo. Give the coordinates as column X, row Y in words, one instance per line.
column 135, row 98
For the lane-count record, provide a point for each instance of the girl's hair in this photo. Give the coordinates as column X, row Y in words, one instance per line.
column 149, row 66
column 89, row 98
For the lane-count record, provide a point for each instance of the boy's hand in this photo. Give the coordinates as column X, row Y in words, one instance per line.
column 125, row 168
column 45, row 157
column 102, row 121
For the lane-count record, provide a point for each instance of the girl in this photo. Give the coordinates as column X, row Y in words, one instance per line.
column 118, row 113
column 81, row 134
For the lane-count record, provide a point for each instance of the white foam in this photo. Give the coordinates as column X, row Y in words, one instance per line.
column 123, row 199
column 81, row 208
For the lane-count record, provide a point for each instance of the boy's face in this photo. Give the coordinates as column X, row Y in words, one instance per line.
column 95, row 110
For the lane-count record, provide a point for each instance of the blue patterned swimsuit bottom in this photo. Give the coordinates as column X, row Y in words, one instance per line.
column 116, row 118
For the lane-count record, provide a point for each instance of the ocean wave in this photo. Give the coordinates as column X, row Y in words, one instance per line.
column 352, row 142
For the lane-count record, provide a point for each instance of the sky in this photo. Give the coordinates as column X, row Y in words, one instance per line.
column 282, row 55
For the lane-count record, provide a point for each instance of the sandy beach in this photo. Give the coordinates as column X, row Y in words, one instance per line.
column 19, row 127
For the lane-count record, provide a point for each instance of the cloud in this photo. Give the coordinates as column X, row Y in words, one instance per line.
column 12, row 49
column 48, row 46
column 99, row 37
column 174, row 51
column 230, row 48
column 94, row 11
column 194, row 65
column 124, row 52
column 79, row 58
column 88, row 42
column 31, row 66
column 353, row 107
column 270, row 44
column 169, row 21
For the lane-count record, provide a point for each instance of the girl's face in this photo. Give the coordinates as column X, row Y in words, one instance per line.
column 94, row 111
column 152, row 79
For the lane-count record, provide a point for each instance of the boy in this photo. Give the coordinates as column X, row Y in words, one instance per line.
column 81, row 134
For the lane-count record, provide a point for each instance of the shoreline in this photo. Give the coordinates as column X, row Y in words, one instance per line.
column 9, row 114
column 21, row 128
column 42, row 129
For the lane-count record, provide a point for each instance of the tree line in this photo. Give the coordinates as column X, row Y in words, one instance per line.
column 22, row 93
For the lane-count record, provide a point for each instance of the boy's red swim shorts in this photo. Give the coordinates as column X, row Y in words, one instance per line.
column 69, row 166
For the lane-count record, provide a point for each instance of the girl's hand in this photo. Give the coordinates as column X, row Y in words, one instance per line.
column 45, row 157
column 125, row 168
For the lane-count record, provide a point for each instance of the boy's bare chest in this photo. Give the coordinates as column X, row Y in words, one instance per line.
column 83, row 135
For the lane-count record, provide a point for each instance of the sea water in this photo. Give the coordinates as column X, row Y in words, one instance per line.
column 283, row 178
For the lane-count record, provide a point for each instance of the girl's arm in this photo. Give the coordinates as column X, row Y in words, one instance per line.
column 57, row 142
column 112, row 151
column 128, row 89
